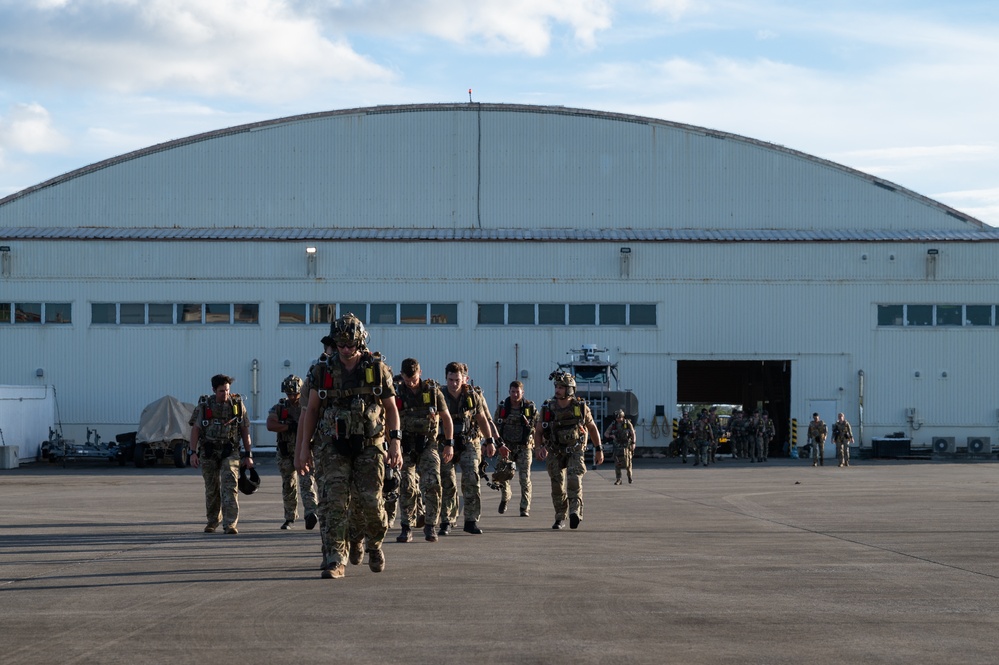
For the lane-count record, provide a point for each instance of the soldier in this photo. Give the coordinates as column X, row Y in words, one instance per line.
column 716, row 432
column 423, row 413
column 560, row 437
column 684, row 434
column 754, row 436
column 768, row 433
column 352, row 407
column 736, row 428
column 703, row 436
column 284, row 418
column 842, row 437
column 218, row 424
column 515, row 421
column 817, row 440
column 470, row 419
column 622, row 433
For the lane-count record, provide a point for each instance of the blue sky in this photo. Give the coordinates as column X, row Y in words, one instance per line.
column 904, row 90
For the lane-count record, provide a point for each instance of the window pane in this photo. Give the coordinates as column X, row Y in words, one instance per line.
column 441, row 314
column 132, row 312
column 642, row 315
column 383, row 314
column 245, row 313
column 322, row 313
column 58, row 312
column 612, row 315
column 27, row 312
column 551, row 315
column 291, row 312
column 189, row 313
column 919, row 315
column 217, row 312
column 413, row 313
column 100, row 312
column 360, row 310
column 978, row 315
column 520, row 314
column 5, row 310
column 582, row 315
column 889, row 315
column 160, row 313
column 491, row 314
column 948, row 315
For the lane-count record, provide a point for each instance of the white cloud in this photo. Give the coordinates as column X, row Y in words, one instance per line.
column 27, row 128
column 251, row 49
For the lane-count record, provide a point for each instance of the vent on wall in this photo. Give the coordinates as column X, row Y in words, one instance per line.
column 944, row 444
column 979, row 445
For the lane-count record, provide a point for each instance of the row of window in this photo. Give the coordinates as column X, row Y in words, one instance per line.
column 553, row 314
column 498, row 314
column 937, row 315
column 137, row 313
column 36, row 312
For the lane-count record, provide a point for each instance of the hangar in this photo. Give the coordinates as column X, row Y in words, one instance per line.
column 712, row 267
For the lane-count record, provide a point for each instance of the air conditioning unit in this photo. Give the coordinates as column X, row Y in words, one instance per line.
column 944, row 444
column 979, row 445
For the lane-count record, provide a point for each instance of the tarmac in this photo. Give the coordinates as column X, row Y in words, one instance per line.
column 881, row 562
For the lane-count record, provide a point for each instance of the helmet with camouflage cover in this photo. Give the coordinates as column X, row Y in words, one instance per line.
column 504, row 471
column 292, row 385
column 346, row 331
column 563, row 378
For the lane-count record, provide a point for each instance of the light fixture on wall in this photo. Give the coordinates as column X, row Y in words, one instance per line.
column 310, row 261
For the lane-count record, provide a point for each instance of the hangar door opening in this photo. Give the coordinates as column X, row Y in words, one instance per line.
column 763, row 384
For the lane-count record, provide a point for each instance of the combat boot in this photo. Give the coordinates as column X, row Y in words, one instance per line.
column 559, row 523
column 429, row 534
column 210, row 528
column 472, row 527
column 334, row 571
column 231, row 530
column 356, row 552
column 376, row 560
column 406, row 536
column 445, row 529
column 287, row 524
column 574, row 521
column 421, row 521
column 310, row 521
column 502, row 506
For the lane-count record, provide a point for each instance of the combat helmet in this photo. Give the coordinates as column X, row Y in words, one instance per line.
column 292, row 385
column 249, row 480
column 619, row 413
column 563, row 378
column 346, row 330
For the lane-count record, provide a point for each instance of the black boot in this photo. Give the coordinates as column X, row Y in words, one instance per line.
column 502, row 506
column 445, row 529
column 472, row 527
column 406, row 536
column 574, row 521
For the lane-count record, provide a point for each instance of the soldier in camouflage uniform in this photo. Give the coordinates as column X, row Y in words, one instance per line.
column 560, row 437
column 423, row 413
column 736, row 428
column 352, row 408
column 817, row 440
column 515, row 421
column 716, row 433
column 754, row 436
column 685, row 434
column 842, row 437
column 218, row 424
column 768, row 432
column 470, row 418
column 703, row 436
column 622, row 433
column 283, row 418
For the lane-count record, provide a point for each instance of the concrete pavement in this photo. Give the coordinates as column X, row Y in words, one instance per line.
column 884, row 562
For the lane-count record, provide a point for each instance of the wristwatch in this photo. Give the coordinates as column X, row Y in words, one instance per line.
column 191, row 451
column 448, row 442
column 395, row 434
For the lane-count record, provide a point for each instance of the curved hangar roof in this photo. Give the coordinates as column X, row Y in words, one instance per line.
column 458, row 171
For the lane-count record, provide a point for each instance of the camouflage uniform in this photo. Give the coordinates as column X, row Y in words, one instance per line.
column 842, row 436
column 622, row 433
column 350, row 452
column 565, row 436
column 467, row 455
column 516, row 425
column 817, row 440
column 754, row 434
column 685, row 432
column 703, row 436
column 421, row 466
column 768, row 433
column 218, row 452
column 291, row 483
column 716, row 432
column 737, row 434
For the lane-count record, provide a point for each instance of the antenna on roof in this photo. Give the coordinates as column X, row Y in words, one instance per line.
column 469, row 95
